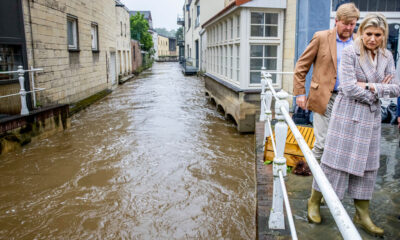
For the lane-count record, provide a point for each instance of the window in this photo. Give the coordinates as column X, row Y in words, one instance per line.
column 264, row 24
column 221, row 59
column 197, row 16
column 231, row 62
column 95, row 37
column 125, row 28
column 10, row 59
column 238, row 26
column 121, row 28
column 262, row 55
column 231, row 24
column 226, row 30
column 72, row 32
column 225, row 61
column 237, row 62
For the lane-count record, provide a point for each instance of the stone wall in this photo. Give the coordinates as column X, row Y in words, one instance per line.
column 242, row 107
column 69, row 76
column 17, row 131
column 136, row 56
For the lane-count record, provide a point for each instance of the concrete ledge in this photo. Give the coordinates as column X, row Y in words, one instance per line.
column 17, row 131
column 231, row 86
column 78, row 106
column 126, row 78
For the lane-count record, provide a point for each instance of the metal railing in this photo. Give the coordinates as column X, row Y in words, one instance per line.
column 276, row 219
column 23, row 92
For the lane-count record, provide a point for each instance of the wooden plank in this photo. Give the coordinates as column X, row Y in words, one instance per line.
column 293, row 153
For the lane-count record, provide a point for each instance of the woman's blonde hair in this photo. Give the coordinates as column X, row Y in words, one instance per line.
column 373, row 20
column 347, row 11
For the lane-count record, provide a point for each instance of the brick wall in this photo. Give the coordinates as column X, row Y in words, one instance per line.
column 69, row 76
column 136, row 55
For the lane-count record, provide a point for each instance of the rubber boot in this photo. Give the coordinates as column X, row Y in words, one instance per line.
column 363, row 219
column 313, row 205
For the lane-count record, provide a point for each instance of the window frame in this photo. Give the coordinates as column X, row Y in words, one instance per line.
column 75, row 33
column 96, row 27
column 263, row 58
column 264, row 25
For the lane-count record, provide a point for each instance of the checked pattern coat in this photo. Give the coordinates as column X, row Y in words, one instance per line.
column 353, row 138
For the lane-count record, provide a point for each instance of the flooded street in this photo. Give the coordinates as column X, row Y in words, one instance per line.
column 153, row 160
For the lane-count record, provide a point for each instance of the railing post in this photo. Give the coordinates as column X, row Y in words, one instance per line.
column 266, row 98
column 22, row 92
column 276, row 217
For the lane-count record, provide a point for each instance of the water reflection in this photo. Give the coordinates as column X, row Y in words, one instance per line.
column 151, row 161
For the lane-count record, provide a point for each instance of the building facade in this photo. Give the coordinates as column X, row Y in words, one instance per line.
column 196, row 13
column 123, row 37
column 72, row 41
column 163, row 46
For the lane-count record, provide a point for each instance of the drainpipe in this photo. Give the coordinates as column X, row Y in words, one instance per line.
column 30, row 24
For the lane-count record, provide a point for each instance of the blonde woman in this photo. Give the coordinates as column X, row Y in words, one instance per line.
column 351, row 156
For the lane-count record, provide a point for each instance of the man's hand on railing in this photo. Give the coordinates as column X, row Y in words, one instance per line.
column 301, row 101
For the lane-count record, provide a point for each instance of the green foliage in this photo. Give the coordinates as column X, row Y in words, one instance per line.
column 165, row 32
column 179, row 34
column 139, row 31
column 267, row 162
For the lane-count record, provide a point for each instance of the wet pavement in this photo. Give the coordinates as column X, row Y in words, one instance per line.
column 385, row 204
column 153, row 160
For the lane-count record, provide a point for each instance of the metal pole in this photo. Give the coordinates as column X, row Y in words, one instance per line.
column 288, row 209
column 22, row 92
column 33, row 86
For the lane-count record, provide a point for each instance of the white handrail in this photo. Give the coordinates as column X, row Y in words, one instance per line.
column 288, row 209
column 342, row 219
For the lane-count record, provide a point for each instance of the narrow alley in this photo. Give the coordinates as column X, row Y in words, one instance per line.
column 153, row 160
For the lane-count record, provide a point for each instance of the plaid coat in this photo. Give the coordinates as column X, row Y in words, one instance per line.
column 353, row 138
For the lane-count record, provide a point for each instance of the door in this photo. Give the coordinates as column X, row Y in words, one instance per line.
column 112, row 68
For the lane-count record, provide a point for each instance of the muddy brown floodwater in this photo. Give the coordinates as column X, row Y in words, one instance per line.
column 153, row 160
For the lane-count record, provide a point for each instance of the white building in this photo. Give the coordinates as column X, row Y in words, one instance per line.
column 196, row 13
column 241, row 39
column 123, row 37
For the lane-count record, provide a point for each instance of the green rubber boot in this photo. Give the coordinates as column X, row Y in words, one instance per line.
column 313, row 205
column 363, row 219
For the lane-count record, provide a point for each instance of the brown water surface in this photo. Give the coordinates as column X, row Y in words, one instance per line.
column 153, row 160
